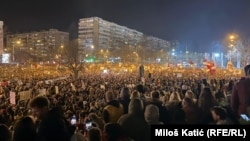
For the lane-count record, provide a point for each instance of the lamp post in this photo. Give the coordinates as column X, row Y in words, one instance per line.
column 13, row 50
column 231, row 45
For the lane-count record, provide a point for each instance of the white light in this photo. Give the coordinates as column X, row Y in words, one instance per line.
column 105, row 71
column 5, row 58
column 216, row 54
column 158, row 60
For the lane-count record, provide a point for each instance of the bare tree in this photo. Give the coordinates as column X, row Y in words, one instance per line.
column 243, row 47
column 70, row 58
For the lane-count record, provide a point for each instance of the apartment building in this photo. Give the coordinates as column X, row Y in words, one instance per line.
column 38, row 46
column 1, row 38
column 104, row 39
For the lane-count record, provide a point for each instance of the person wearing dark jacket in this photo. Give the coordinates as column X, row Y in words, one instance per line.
column 134, row 123
column 124, row 98
column 240, row 98
column 155, row 100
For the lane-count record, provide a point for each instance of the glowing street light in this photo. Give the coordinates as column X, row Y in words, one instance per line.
column 232, row 38
column 13, row 49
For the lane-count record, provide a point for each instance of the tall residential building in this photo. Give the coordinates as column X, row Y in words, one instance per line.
column 37, row 46
column 103, row 39
column 1, row 38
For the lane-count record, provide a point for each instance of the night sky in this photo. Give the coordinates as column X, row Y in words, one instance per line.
column 192, row 21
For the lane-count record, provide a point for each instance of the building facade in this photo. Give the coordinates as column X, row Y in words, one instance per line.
column 104, row 40
column 1, row 38
column 36, row 46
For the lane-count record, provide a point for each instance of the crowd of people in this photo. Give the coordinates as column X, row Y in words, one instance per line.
column 118, row 107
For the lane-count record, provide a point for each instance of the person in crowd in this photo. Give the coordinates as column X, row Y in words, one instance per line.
column 5, row 134
column 240, row 98
column 194, row 88
column 54, row 127
column 52, row 123
column 141, row 89
column 228, row 90
column 155, row 100
column 114, row 132
column 92, row 107
column 204, row 83
column 135, row 95
column 95, row 118
column 25, row 129
column 133, row 123
column 11, row 113
column 180, row 92
column 191, row 110
column 220, row 96
column 113, row 110
column 165, row 98
column 176, row 115
column 5, row 117
column 219, row 115
column 205, row 102
column 124, row 98
column 152, row 115
column 190, row 94
column 94, row 134
column 175, row 97
column 184, row 87
column 39, row 107
column 83, row 116
column 77, row 135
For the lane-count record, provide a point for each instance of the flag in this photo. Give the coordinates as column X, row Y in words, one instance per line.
column 190, row 62
column 210, row 66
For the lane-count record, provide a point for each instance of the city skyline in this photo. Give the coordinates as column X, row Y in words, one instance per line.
column 193, row 21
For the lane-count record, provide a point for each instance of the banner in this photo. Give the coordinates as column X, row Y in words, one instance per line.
column 102, row 87
column 25, row 95
column 60, row 78
column 42, row 92
column 56, row 89
column 73, row 87
column 13, row 98
column 178, row 75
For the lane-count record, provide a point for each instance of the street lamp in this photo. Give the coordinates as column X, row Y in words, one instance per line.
column 231, row 37
column 231, row 46
column 13, row 50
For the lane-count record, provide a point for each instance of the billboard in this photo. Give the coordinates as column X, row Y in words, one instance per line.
column 5, row 58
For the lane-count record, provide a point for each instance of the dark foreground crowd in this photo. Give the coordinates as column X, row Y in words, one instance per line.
column 118, row 107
